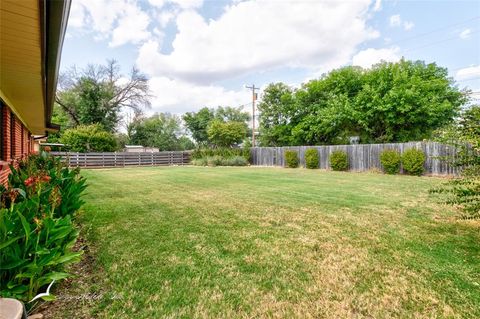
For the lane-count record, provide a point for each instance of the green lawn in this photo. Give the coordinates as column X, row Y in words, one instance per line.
column 195, row 242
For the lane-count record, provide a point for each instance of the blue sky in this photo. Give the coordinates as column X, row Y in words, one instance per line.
column 201, row 52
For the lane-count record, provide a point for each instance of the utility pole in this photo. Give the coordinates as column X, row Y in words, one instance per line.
column 254, row 98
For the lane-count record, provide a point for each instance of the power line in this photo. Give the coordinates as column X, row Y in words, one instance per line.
column 437, row 42
column 436, row 30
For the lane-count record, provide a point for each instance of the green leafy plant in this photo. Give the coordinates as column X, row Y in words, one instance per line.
column 464, row 190
column 89, row 138
column 311, row 158
column 37, row 232
column 391, row 161
column 235, row 161
column 226, row 134
column 339, row 161
column 291, row 159
column 225, row 152
column 200, row 161
column 215, row 160
column 413, row 161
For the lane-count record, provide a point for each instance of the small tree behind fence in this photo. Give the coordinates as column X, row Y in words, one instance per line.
column 362, row 157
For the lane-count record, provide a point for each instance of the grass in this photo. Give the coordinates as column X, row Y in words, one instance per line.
column 196, row 242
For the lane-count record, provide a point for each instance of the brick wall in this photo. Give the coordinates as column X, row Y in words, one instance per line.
column 16, row 141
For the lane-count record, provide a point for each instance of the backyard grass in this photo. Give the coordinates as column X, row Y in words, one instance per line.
column 196, row 242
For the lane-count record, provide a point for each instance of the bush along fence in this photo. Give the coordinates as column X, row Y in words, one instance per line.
column 113, row 159
column 362, row 157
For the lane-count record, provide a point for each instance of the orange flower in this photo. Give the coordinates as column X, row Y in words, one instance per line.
column 30, row 181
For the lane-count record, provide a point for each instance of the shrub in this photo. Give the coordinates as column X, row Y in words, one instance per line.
column 235, row 161
column 412, row 161
column 311, row 158
column 391, row 161
column 225, row 134
column 37, row 232
column 89, row 138
column 291, row 159
column 339, row 161
column 200, row 161
column 225, row 152
column 220, row 161
column 214, row 160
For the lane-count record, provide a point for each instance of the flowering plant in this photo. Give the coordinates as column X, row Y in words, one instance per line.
column 37, row 231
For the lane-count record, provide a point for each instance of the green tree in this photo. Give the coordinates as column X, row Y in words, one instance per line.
column 162, row 130
column 98, row 93
column 406, row 101
column 226, row 134
column 278, row 115
column 391, row 102
column 185, row 143
column 89, row 138
column 231, row 114
column 197, row 123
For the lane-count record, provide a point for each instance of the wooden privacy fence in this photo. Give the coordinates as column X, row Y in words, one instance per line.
column 362, row 157
column 109, row 159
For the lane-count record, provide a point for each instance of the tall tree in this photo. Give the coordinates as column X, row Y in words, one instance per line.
column 198, row 123
column 162, row 130
column 278, row 115
column 391, row 102
column 97, row 94
column 226, row 134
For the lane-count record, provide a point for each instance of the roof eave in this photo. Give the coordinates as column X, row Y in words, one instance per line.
column 54, row 25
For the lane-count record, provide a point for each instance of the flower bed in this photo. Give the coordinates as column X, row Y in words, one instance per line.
column 37, row 231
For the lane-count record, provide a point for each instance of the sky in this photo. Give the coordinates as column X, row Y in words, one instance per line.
column 200, row 53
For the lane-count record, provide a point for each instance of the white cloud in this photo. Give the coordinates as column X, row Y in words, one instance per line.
column 369, row 57
column 249, row 37
column 157, row 3
column 184, row 4
column 132, row 27
column 465, row 34
column 120, row 21
column 77, row 15
column 178, row 96
column 377, row 6
column 408, row 25
column 188, row 4
column 396, row 21
column 468, row 73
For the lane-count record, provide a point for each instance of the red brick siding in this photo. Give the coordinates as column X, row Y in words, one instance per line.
column 21, row 140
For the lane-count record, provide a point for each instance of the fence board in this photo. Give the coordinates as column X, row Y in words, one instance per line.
column 362, row 157
column 121, row 159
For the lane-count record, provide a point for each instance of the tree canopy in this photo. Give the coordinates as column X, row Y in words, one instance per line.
column 97, row 94
column 226, row 134
column 89, row 138
column 391, row 102
column 198, row 123
column 162, row 130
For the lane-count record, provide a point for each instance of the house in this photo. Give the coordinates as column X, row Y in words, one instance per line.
column 140, row 149
column 31, row 38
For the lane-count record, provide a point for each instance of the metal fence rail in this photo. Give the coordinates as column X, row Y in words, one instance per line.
column 109, row 159
column 362, row 157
